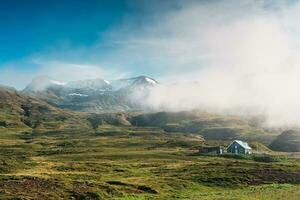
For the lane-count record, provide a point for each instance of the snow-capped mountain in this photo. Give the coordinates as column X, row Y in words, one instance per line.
column 92, row 95
column 140, row 81
column 42, row 83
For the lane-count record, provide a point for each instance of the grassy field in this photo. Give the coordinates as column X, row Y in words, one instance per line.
column 126, row 162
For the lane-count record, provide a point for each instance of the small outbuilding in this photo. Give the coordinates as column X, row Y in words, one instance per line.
column 211, row 150
column 239, row 147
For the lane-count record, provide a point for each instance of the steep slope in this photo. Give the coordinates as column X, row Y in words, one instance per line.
column 95, row 95
column 10, row 108
column 18, row 110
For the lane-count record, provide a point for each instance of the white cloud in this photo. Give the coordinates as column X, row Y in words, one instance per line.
column 70, row 71
column 243, row 54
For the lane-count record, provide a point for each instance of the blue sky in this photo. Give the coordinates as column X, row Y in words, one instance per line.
column 32, row 26
column 168, row 40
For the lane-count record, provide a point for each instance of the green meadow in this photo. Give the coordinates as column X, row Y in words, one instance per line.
column 127, row 162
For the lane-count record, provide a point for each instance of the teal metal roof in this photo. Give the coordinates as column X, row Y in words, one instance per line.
column 243, row 144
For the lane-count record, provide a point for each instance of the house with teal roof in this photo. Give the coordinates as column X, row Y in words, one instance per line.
column 239, row 147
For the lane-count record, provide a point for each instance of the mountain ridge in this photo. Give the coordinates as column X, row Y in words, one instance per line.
column 91, row 95
column 43, row 82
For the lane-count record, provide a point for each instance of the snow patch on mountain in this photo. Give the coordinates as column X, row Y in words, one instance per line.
column 54, row 82
column 78, row 94
column 149, row 80
column 106, row 81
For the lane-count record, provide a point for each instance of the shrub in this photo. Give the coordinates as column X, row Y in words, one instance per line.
column 266, row 158
column 235, row 156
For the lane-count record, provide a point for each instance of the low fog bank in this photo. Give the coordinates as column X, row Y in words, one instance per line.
column 277, row 112
column 230, row 57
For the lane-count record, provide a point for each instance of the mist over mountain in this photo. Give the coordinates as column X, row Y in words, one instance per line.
column 94, row 95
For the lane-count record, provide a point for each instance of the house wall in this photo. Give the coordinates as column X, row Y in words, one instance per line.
column 237, row 148
column 212, row 150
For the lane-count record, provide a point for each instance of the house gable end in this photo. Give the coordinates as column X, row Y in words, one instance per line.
column 239, row 147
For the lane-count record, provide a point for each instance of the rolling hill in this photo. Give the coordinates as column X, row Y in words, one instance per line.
column 288, row 141
column 19, row 110
column 210, row 125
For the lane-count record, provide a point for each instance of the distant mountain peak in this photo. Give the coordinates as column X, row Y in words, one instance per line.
column 92, row 94
column 145, row 80
column 43, row 82
column 139, row 81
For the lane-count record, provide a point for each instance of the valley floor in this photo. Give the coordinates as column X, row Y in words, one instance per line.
column 134, row 163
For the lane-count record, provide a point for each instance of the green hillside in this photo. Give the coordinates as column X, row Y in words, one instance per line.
column 128, row 162
column 288, row 141
column 22, row 111
column 211, row 126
